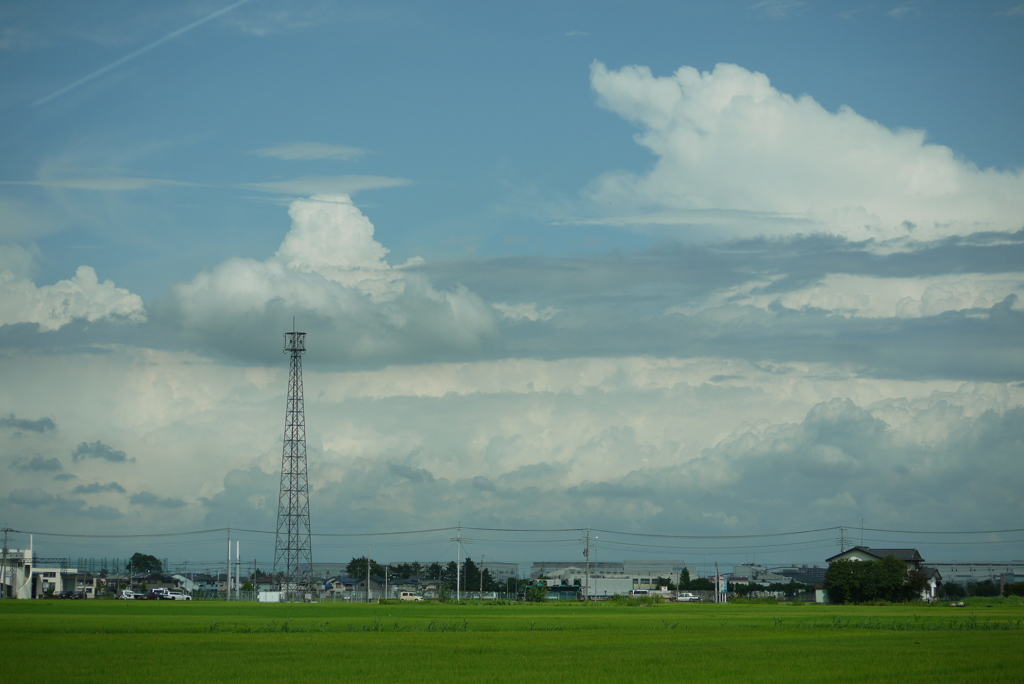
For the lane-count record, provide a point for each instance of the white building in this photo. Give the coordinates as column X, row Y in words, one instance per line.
column 22, row 578
column 966, row 572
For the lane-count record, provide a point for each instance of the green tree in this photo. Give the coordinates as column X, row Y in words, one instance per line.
column 851, row 581
column 952, row 590
column 356, row 568
column 914, row 585
column 143, row 563
column 491, row 584
column 701, row 584
column 842, row 581
column 888, row 580
column 986, row 588
column 450, row 574
column 684, row 579
column 470, row 576
column 536, row 592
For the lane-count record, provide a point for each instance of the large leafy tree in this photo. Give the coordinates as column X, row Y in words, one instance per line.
column 356, row 568
column 143, row 563
column 850, row 581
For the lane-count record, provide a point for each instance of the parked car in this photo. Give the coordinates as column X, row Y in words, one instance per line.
column 687, row 597
column 409, row 596
column 176, row 596
column 71, row 594
column 127, row 594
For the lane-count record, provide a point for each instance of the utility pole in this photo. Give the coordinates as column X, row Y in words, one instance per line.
column 842, row 539
column 481, row 577
column 227, row 571
column 586, row 575
column 367, row 574
column 718, row 578
column 458, row 563
column 3, row 577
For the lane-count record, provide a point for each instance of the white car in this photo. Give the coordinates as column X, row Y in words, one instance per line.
column 177, row 596
column 687, row 597
column 409, row 596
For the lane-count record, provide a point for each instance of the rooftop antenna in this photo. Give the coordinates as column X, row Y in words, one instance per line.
column 293, row 553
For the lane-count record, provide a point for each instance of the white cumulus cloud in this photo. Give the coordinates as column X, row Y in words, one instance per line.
column 54, row 306
column 330, row 268
column 757, row 159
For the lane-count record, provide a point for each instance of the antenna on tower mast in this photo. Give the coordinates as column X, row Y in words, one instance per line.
column 293, row 553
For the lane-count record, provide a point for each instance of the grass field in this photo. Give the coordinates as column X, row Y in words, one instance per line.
column 158, row 641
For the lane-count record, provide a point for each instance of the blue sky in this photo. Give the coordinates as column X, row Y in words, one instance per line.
column 724, row 268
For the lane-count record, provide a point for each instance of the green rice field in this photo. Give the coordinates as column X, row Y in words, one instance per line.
column 162, row 641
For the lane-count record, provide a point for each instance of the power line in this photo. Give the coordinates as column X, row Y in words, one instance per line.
column 581, row 530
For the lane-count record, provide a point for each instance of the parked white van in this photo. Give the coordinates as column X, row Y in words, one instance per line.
column 409, row 596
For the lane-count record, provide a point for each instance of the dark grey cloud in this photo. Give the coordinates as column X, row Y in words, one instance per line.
column 40, row 425
column 411, row 474
column 97, row 449
column 150, row 499
column 249, row 496
column 63, row 477
column 31, row 498
column 59, row 508
column 96, row 488
column 37, row 464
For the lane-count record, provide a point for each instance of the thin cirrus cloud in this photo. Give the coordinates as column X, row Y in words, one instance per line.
column 109, row 184
column 779, row 8
column 737, row 156
column 327, row 185
column 308, row 151
column 138, row 53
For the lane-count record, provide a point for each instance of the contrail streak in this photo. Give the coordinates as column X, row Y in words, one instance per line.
column 140, row 51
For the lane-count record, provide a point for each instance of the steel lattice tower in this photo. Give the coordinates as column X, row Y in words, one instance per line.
column 293, row 554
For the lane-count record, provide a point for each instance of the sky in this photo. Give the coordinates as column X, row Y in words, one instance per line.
column 745, row 277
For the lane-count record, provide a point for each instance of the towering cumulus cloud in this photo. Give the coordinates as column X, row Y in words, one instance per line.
column 733, row 151
column 331, row 273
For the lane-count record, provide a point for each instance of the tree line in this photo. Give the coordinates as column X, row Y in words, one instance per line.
column 471, row 575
